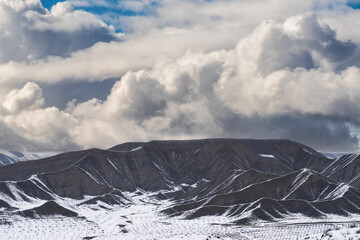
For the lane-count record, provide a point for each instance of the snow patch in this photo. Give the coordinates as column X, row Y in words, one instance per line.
column 267, row 155
column 135, row 149
column 338, row 192
column 308, row 151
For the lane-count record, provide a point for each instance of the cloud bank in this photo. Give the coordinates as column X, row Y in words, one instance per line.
column 287, row 71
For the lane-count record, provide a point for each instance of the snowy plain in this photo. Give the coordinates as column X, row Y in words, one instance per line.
column 142, row 220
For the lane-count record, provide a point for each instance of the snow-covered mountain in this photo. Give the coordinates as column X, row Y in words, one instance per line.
column 333, row 155
column 9, row 157
column 197, row 189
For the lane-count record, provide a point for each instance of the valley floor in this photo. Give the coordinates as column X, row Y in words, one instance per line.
column 141, row 220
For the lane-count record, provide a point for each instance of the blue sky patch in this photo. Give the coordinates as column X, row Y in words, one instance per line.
column 355, row 4
column 49, row 3
column 111, row 12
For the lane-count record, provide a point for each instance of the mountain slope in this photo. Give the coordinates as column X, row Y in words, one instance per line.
column 345, row 169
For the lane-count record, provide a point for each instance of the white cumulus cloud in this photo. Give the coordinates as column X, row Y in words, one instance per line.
column 27, row 98
column 30, row 32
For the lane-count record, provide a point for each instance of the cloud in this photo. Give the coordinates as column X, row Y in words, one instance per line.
column 211, row 69
column 286, row 67
column 226, row 93
column 25, row 124
column 42, row 129
column 108, row 60
column 31, row 32
column 197, row 25
column 27, row 98
column 220, row 93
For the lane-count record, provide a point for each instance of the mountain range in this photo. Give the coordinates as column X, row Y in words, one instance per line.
column 243, row 179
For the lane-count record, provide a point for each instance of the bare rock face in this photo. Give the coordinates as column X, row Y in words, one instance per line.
column 48, row 208
column 247, row 179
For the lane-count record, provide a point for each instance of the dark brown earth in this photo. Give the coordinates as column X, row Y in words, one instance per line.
column 47, row 209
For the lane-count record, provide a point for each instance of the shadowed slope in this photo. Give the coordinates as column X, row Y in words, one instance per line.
column 345, row 169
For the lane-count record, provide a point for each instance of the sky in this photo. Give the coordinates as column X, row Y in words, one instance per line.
column 79, row 74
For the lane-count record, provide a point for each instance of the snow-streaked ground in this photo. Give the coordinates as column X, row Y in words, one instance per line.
column 142, row 220
column 351, row 232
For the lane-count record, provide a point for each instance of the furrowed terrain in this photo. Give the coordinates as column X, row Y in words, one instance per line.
column 196, row 189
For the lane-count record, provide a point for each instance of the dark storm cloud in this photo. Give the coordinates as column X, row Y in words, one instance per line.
column 320, row 133
column 60, row 94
